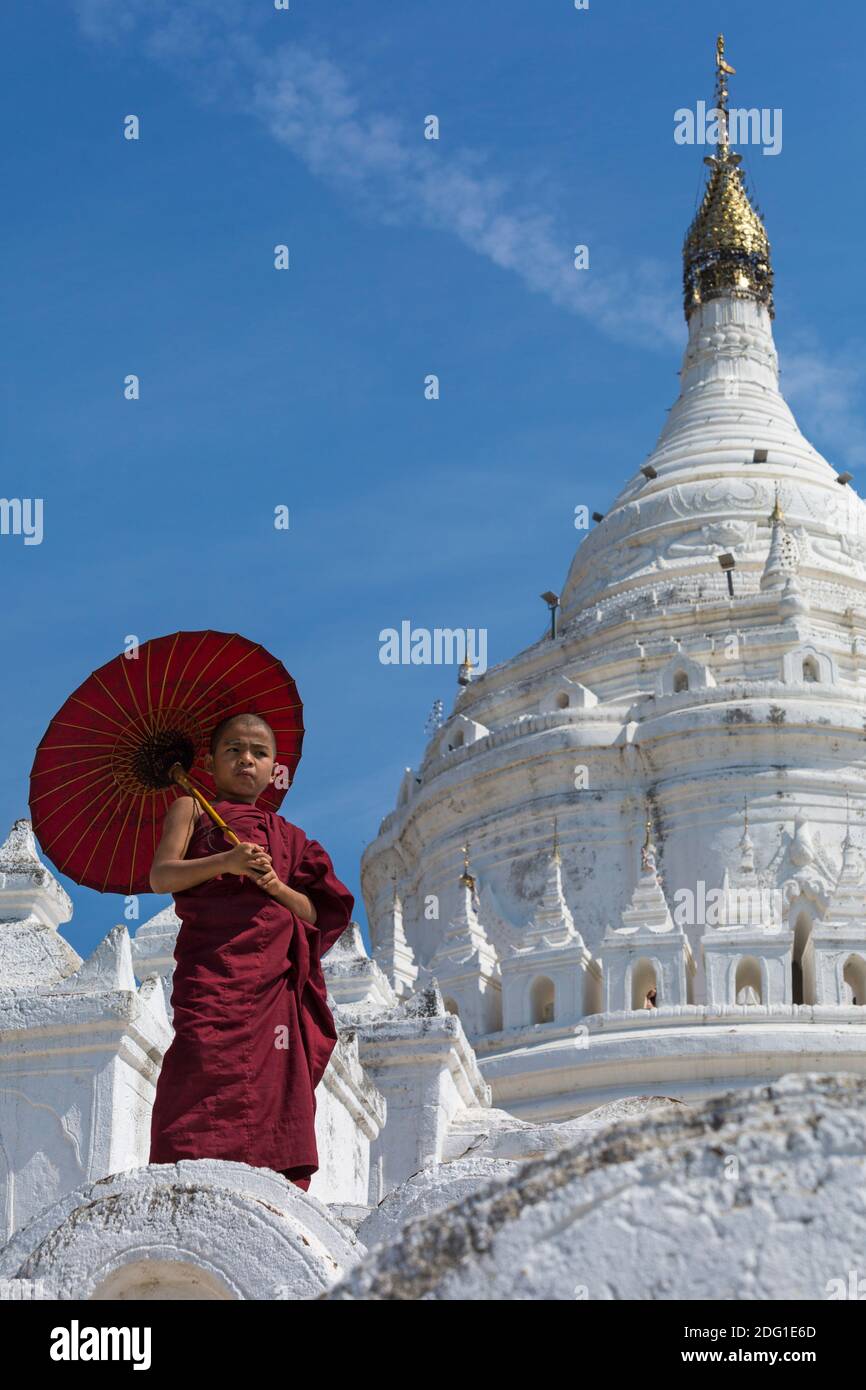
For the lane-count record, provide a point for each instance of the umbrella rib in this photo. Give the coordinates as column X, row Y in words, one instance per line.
column 68, row 781
column 238, row 683
column 137, row 834
column 68, row 748
column 104, row 806
column 125, row 668
column 269, row 690
column 59, row 722
column 123, row 710
column 150, row 711
column 211, row 659
column 195, row 653
column 165, row 672
column 242, row 657
column 201, row 710
column 196, row 696
column 103, row 832
column 100, row 713
column 59, row 807
column 180, row 678
column 116, row 846
column 164, row 811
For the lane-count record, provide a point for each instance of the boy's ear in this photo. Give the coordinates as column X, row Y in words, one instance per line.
column 208, row 762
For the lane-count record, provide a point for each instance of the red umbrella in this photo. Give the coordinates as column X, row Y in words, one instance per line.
column 119, row 750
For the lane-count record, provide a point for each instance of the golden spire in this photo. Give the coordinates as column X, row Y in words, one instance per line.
column 777, row 514
column 466, row 878
column 726, row 251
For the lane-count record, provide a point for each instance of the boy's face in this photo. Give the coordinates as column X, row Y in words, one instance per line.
column 243, row 762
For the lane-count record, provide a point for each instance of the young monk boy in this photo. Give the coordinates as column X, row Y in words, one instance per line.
column 253, row 1031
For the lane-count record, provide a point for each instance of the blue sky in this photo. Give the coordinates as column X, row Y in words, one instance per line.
column 408, row 257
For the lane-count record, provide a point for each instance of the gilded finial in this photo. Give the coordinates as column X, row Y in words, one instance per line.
column 723, row 69
column 777, row 513
column 557, row 858
column 720, row 56
column 726, row 251
column 466, row 878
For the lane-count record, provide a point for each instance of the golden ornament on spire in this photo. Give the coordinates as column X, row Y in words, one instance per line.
column 720, row 56
column 726, row 250
column 466, row 878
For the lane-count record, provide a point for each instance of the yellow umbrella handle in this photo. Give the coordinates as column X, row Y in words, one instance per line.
column 177, row 774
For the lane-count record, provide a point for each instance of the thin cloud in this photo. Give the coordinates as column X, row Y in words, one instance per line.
column 825, row 392
column 307, row 104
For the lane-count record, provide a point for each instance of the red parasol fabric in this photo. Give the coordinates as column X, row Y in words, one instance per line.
column 100, row 785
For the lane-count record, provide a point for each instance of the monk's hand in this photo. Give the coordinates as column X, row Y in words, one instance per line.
column 247, row 858
column 269, row 881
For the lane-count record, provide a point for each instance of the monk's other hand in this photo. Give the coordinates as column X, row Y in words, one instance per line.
column 270, row 882
column 263, row 863
column 247, row 858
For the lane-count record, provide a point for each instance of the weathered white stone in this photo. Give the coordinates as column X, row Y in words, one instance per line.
column 466, row 966
column 485, row 1143
column 350, row 1117
column 353, row 979
column 393, row 953
column 29, row 889
column 550, row 973
column 32, row 906
column 420, row 1059
column 648, row 952
column 754, row 1195
column 79, row 1046
column 153, row 950
column 200, row 1229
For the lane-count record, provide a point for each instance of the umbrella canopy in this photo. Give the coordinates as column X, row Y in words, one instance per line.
column 100, row 786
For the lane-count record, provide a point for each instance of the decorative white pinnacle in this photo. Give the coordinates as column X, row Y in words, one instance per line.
column 783, row 556
column 552, row 923
column 29, row 891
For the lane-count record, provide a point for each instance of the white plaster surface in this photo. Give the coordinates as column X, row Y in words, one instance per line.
column 756, row 1195
column 197, row 1229
column 486, row 1144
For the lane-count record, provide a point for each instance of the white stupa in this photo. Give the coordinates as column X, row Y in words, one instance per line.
column 710, row 652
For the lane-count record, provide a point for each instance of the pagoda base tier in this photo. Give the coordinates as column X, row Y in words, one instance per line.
column 688, row 1052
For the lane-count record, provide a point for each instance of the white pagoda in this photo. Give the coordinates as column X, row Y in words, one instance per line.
column 710, row 651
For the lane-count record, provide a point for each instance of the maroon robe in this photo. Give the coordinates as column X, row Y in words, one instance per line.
column 253, row 1031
